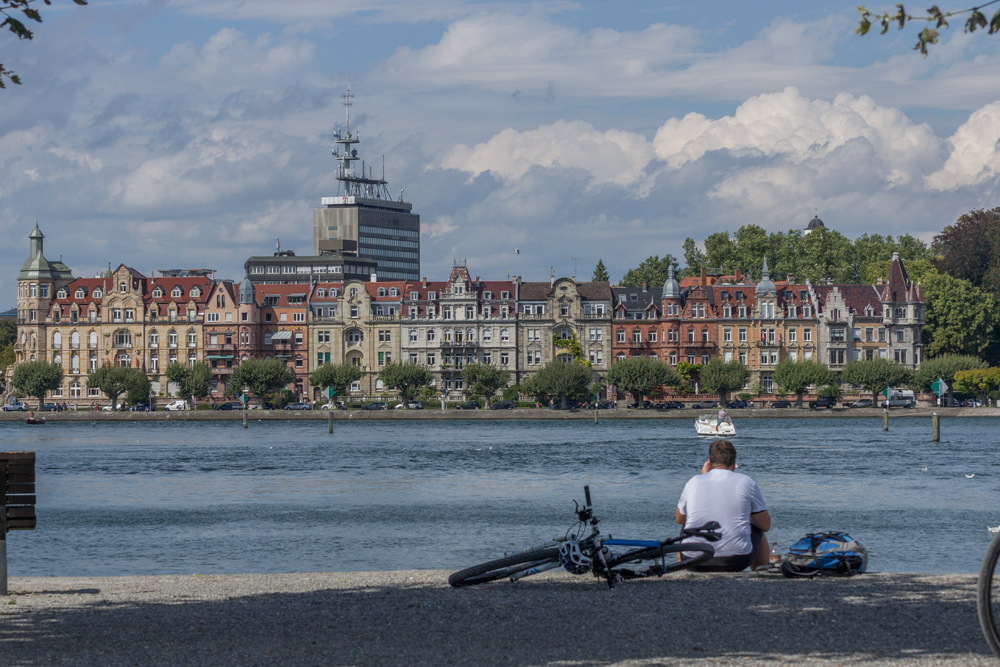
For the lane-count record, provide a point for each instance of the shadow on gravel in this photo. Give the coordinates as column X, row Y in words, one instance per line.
column 691, row 618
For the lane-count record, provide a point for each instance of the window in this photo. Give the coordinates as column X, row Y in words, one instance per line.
column 652, row 335
column 298, row 361
column 791, row 310
column 901, row 356
column 354, row 312
column 727, row 335
column 79, row 293
column 487, row 357
column 298, row 338
column 431, row 296
column 857, row 333
column 446, row 312
column 470, row 312
column 620, row 356
column 92, row 363
column 154, row 339
column 98, row 293
column 504, row 358
column 621, row 335
column 636, row 336
column 154, row 364
column 504, row 337
column 538, row 357
column 385, row 335
column 176, row 292
column 869, row 334
column 836, row 357
column 837, row 334
column 116, row 314
column 123, row 338
column 504, row 295
column 487, row 335
column 793, row 335
column 881, row 335
column 807, row 336
column 673, row 358
column 691, row 336
column 381, row 291
column 743, row 335
column 298, row 317
column 704, row 360
column 212, row 317
column 704, row 335
column 353, row 337
column 431, row 335
column 743, row 358
column 899, row 335
column 431, row 358
column 196, row 292
column 743, row 312
column 447, row 335
column 283, row 317
column 122, row 287
column 564, row 310
column 353, row 292
column 192, row 339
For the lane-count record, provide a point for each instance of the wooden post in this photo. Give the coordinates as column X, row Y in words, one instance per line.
column 244, row 415
column 595, row 413
column 3, row 527
column 936, row 427
column 885, row 419
column 329, row 420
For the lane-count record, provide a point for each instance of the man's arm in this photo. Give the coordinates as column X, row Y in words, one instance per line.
column 680, row 518
column 761, row 520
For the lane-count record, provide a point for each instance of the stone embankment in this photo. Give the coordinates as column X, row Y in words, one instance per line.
column 415, row 619
column 525, row 414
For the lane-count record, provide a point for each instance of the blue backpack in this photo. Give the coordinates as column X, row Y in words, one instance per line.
column 825, row 554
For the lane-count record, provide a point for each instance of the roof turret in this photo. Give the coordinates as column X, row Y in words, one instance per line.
column 671, row 288
column 247, row 291
column 37, row 267
column 765, row 285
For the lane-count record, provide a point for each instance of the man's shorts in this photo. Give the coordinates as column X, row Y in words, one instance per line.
column 733, row 563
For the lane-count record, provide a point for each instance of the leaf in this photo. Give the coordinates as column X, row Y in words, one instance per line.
column 864, row 25
column 975, row 20
column 995, row 23
column 901, row 16
column 32, row 14
column 17, row 28
column 926, row 36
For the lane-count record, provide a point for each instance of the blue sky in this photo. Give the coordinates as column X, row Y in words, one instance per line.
column 191, row 133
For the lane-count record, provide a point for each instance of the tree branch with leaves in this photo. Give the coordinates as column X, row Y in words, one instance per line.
column 15, row 13
column 934, row 20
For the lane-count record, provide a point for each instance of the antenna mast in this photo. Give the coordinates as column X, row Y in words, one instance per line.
column 354, row 184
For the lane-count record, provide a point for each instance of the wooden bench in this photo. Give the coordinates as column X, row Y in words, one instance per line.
column 17, row 501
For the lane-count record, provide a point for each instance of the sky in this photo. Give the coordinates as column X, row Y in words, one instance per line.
column 193, row 133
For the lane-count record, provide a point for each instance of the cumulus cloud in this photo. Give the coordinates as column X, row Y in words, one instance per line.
column 974, row 157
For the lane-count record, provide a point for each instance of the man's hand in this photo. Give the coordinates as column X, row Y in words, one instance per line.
column 705, row 468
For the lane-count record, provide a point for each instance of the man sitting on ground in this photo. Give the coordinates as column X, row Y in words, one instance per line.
column 721, row 494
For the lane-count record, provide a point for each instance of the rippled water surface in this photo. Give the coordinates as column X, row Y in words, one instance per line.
column 124, row 498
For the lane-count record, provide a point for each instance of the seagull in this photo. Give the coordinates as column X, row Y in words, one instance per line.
column 993, row 529
column 517, row 251
column 970, row 476
column 923, row 469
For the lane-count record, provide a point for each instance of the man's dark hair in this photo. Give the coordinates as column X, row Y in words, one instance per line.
column 721, row 453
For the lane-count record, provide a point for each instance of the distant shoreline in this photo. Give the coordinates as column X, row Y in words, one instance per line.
column 520, row 414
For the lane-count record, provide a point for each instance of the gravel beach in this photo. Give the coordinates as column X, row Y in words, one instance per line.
column 414, row 618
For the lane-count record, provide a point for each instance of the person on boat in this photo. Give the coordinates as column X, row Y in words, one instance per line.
column 733, row 499
column 721, row 418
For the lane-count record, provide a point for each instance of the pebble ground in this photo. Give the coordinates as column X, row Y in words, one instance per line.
column 415, row 618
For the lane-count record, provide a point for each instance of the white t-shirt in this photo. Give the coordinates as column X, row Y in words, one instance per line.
column 727, row 497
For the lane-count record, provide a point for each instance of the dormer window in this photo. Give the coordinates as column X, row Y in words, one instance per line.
column 79, row 294
column 432, row 295
column 158, row 292
column 487, row 295
column 334, row 292
column 98, row 293
column 504, row 295
column 61, row 294
column 414, row 296
column 123, row 287
column 393, row 291
column 869, row 311
column 354, row 292
column 458, row 289
column 321, row 292
column 381, row 291
column 195, row 292
column 176, row 292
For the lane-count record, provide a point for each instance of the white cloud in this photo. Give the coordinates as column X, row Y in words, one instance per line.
column 974, row 158
column 610, row 157
column 228, row 57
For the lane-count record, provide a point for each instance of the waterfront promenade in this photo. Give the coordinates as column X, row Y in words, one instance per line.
column 520, row 414
column 413, row 618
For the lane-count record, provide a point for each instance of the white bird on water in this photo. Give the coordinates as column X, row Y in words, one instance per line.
column 924, row 469
column 993, row 529
column 970, row 476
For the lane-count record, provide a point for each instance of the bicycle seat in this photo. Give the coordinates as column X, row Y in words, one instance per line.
column 709, row 531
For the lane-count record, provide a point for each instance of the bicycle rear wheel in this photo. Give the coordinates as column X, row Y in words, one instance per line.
column 662, row 559
column 988, row 595
column 502, row 567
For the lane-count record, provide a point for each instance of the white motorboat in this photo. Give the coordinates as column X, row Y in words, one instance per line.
column 709, row 425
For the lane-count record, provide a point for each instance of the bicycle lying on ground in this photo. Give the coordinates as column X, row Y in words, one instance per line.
column 580, row 554
column 988, row 595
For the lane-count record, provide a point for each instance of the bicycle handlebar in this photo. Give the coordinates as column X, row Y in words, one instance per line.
column 586, row 492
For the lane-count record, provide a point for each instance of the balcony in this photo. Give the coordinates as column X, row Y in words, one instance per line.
column 530, row 316
column 596, row 316
column 56, row 346
column 220, row 347
column 326, row 319
column 74, row 346
column 459, row 343
column 383, row 318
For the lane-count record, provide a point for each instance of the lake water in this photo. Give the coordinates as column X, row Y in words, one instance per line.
column 211, row 497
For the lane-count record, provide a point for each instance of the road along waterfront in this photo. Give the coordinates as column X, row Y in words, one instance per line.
column 285, row 496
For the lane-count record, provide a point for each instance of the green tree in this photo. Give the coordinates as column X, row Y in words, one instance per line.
column 560, row 380
column 338, row 376
column 35, row 378
column 796, row 376
column 405, row 378
column 979, row 381
column 572, row 345
column 933, row 21
column 687, row 374
column 694, row 258
column 8, row 331
column 946, row 367
column 512, row 393
column 138, row 392
column 7, row 358
column 600, row 273
column 874, row 375
column 640, row 375
column 261, row 377
column 960, row 317
column 114, row 380
column 970, row 249
column 194, row 382
column 721, row 377
column 8, row 9
column 485, row 379
column 652, row 270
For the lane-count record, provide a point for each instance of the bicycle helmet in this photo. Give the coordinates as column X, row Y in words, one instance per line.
column 573, row 559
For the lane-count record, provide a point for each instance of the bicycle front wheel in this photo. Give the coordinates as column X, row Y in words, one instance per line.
column 664, row 557
column 502, row 567
column 988, row 595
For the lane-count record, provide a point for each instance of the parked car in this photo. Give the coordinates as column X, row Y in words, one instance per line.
column 603, row 405
column 670, row 405
column 143, row 407
column 175, row 406
column 823, row 402
column 899, row 402
column 298, row 406
column 470, row 405
column 377, row 405
column 415, row 405
column 738, row 404
column 704, row 405
column 861, row 403
column 16, row 407
column 781, row 404
column 503, row 405
column 646, row 404
column 112, row 408
column 52, row 407
column 262, row 406
column 332, row 405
